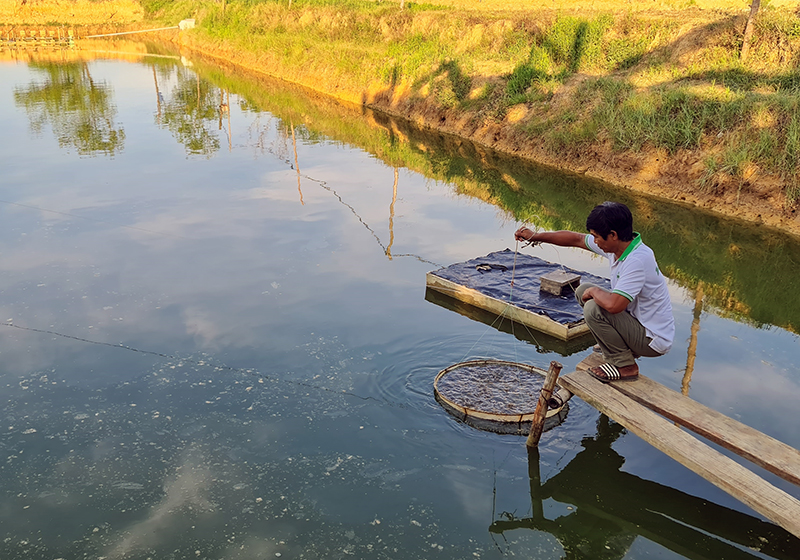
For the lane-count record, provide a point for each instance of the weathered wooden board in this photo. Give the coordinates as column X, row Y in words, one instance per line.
column 541, row 323
column 763, row 450
column 722, row 471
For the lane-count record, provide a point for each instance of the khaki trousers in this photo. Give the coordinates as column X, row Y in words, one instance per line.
column 621, row 337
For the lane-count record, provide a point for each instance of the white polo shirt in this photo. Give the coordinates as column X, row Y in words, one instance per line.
column 636, row 277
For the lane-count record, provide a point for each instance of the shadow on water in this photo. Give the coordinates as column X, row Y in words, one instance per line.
column 745, row 269
column 543, row 342
column 612, row 508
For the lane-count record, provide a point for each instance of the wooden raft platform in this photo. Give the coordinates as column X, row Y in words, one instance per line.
column 500, row 307
column 635, row 405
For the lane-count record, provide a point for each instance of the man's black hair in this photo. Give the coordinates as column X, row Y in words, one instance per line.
column 611, row 216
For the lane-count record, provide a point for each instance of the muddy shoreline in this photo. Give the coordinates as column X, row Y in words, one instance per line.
column 653, row 172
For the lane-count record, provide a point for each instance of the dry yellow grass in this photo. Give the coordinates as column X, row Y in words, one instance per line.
column 69, row 12
column 606, row 5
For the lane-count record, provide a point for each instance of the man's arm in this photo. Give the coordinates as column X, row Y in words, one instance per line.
column 611, row 302
column 562, row 238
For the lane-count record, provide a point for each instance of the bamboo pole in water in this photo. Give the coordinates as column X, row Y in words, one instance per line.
column 391, row 216
column 221, row 107
column 228, row 105
column 158, row 94
column 297, row 165
column 537, row 424
column 692, row 352
column 537, row 507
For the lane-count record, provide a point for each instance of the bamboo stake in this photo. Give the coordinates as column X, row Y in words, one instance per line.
column 537, row 424
column 391, row 216
column 537, row 508
column 228, row 105
column 297, row 166
column 158, row 94
column 221, row 107
column 692, row 352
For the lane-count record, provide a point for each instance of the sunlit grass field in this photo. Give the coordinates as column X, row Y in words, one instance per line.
column 70, row 12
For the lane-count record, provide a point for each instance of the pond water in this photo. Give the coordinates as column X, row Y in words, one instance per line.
column 217, row 343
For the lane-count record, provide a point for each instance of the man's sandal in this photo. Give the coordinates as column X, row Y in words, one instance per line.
column 607, row 373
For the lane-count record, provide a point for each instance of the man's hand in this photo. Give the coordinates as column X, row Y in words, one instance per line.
column 523, row 234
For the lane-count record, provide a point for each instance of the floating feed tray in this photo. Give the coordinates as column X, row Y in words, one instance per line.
column 497, row 396
column 485, row 282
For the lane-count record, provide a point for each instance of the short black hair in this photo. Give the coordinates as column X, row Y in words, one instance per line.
column 611, row 216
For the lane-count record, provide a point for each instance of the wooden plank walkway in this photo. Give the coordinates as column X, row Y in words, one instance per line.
column 662, row 432
column 761, row 449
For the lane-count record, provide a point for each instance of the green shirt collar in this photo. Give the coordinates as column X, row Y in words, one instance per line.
column 637, row 240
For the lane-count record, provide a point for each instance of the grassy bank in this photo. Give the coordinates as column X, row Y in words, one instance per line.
column 655, row 100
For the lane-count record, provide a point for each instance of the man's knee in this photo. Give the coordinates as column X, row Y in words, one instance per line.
column 579, row 291
column 593, row 313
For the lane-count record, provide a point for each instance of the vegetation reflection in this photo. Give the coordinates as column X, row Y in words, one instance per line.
column 745, row 270
column 190, row 110
column 78, row 108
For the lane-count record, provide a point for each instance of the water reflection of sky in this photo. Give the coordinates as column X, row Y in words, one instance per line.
column 195, row 360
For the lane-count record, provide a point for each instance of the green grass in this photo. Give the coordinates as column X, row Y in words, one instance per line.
column 634, row 91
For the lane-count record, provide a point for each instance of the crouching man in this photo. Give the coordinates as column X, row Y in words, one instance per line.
column 635, row 318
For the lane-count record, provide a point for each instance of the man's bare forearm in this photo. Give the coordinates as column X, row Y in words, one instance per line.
column 563, row 238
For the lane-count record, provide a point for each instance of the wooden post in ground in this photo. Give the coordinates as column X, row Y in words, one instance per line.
column 749, row 28
column 537, row 424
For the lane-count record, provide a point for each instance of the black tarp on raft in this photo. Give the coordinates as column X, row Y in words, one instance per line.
column 491, row 276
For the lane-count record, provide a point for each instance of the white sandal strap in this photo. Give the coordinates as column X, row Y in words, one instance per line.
column 612, row 373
